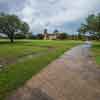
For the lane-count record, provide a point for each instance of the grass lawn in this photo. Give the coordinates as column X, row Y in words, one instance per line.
column 15, row 75
column 96, row 51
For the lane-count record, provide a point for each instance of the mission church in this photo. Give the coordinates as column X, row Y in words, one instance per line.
column 49, row 36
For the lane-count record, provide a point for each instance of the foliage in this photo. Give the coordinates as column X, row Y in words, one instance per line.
column 91, row 25
column 20, row 36
column 39, row 36
column 62, row 36
column 96, row 51
column 45, row 31
column 11, row 24
column 56, row 31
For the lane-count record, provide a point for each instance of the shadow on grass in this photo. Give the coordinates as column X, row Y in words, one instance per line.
column 5, row 42
column 96, row 45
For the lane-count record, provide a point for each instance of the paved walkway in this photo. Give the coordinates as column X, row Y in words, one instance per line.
column 71, row 77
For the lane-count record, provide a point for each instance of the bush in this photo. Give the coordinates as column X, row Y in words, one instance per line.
column 62, row 36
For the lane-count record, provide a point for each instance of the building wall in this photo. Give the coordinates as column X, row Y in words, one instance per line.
column 45, row 37
column 50, row 37
column 53, row 37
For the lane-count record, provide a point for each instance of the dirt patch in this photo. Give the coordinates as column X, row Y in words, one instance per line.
column 9, row 61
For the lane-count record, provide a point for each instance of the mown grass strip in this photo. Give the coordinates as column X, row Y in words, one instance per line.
column 96, row 51
column 16, row 75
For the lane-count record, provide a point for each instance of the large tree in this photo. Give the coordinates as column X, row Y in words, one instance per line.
column 11, row 24
column 91, row 25
column 24, row 27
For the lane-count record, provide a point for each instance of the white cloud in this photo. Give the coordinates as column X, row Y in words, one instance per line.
column 54, row 13
column 4, row 1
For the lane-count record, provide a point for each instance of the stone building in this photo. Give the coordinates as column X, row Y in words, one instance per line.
column 49, row 36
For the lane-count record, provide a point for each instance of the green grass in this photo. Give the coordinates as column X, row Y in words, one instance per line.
column 96, row 51
column 10, row 51
column 15, row 75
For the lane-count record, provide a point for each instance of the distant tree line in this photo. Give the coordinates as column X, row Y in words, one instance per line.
column 60, row 36
column 14, row 28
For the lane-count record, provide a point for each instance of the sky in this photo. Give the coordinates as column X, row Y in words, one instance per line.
column 64, row 15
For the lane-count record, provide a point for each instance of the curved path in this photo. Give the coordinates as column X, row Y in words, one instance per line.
column 73, row 76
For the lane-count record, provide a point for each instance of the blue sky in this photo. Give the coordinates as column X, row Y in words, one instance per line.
column 64, row 15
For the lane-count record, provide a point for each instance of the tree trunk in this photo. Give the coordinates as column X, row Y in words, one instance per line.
column 11, row 37
column 11, row 40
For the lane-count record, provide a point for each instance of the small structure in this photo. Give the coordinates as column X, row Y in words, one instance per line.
column 49, row 36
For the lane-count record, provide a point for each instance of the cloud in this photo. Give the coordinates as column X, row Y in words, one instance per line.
column 65, row 15
column 11, row 5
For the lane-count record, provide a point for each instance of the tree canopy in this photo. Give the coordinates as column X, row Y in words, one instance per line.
column 91, row 25
column 11, row 24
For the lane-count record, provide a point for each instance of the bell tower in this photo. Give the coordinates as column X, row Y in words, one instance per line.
column 45, row 34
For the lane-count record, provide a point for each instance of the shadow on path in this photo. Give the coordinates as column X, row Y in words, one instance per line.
column 34, row 94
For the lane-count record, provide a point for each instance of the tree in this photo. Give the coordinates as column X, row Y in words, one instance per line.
column 25, row 27
column 62, row 36
column 20, row 36
column 56, row 31
column 45, row 34
column 92, row 25
column 81, row 36
column 98, row 24
column 83, row 29
column 45, row 31
column 39, row 36
column 11, row 24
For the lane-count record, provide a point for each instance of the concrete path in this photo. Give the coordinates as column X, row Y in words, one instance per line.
column 71, row 77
